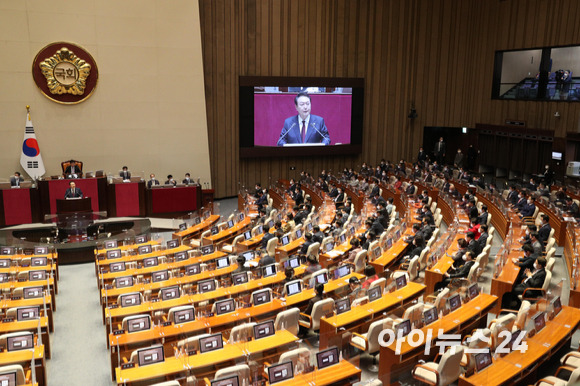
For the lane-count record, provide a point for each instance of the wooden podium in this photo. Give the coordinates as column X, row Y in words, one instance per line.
column 75, row 205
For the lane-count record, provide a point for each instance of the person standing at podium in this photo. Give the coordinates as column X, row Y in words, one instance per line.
column 304, row 127
column 73, row 191
column 125, row 174
column 16, row 179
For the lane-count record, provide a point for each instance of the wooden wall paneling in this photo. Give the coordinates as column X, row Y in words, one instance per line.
column 436, row 54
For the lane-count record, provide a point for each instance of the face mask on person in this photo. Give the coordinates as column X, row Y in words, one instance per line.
column 527, row 232
column 536, row 266
column 529, row 202
column 464, row 258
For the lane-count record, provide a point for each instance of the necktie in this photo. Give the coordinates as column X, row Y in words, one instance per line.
column 73, row 192
column 303, row 131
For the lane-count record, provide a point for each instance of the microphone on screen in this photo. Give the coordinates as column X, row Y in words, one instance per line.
column 322, row 135
column 287, row 131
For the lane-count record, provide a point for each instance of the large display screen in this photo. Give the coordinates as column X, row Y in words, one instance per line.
column 300, row 116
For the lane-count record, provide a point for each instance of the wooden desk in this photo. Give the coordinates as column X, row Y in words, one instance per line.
column 115, row 315
column 24, row 357
column 335, row 256
column 104, row 262
column 357, row 316
column 436, row 273
column 391, row 255
column 289, row 249
column 32, row 326
column 249, row 244
column 128, row 247
column 467, row 317
column 168, row 201
column 196, row 230
column 343, row 373
column 19, row 206
column 6, row 304
column 230, row 353
column 228, row 233
column 516, row 365
column 126, row 199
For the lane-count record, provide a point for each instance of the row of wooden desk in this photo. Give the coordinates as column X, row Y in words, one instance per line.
column 517, row 365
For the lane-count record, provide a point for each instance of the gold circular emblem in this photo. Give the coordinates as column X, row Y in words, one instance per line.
column 65, row 73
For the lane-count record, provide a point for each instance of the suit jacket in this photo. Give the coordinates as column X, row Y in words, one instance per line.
column 316, row 132
column 266, row 238
column 544, row 233
column 187, row 181
column 439, row 148
column 527, row 262
column 69, row 170
column 536, row 280
column 528, row 210
column 482, row 240
column 339, row 198
column 513, row 197
column 482, row 218
column 473, row 212
column 169, row 182
column 474, row 247
column 463, row 271
column 125, row 177
column 305, row 246
column 333, row 193
column 151, row 183
column 16, row 182
column 69, row 193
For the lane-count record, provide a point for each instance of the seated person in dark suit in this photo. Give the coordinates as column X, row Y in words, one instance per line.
column 241, row 260
column 319, row 295
column 572, row 207
column 370, row 236
column 535, row 243
column 458, row 256
column 152, row 181
column 340, row 198
column 521, row 202
column 309, row 241
column 374, row 226
column 526, row 262
column 482, row 218
column 460, row 272
column 262, row 200
column 170, row 180
column 289, row 275
column 125, row 173
column 512, row 195
column 73, row 191
column 187, row 180
column 472, row 244
column 471, row 209
column 483, row 236
column 529, row 209
column 267, row 236
column 16, row 179
column 532, row 279
column 545, row 229
column 266, row 260
column 73, row 170
column 318, row 235
column 300, row 215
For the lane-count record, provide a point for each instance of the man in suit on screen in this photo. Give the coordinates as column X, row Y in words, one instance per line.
column 304, row 127
column 73, row 191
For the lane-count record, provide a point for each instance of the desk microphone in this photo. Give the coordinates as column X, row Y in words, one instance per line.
column 287, row 131
column 322, row 135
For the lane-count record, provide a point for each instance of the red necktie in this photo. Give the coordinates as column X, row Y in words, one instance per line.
column 303, row 131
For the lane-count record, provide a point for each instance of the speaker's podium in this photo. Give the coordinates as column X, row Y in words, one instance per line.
column 74, row 205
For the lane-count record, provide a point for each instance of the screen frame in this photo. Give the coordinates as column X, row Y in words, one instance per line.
column 247, row 116
column 322, row 352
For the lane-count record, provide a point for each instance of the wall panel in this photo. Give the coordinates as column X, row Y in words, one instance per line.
column 437, row 54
